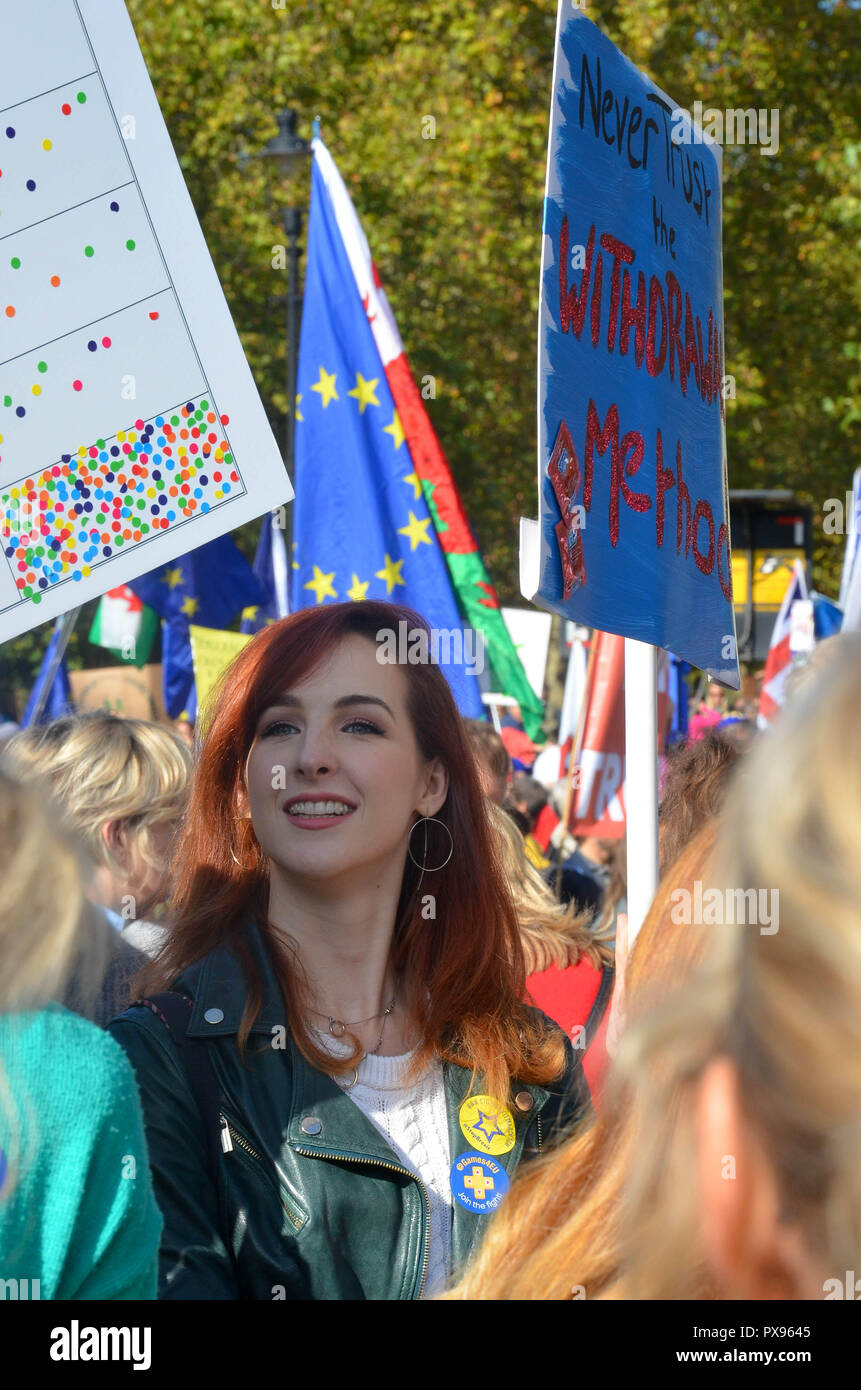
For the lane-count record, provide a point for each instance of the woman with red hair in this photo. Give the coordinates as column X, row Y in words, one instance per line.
column 342, row 1078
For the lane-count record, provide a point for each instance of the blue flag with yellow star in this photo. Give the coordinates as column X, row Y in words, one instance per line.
column 361, row 525
column 208, row 587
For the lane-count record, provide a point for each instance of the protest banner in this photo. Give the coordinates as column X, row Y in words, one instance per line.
column 212, row 652
column 633, row 532
column 132, row 430
column 124, row 690
column 633, row 529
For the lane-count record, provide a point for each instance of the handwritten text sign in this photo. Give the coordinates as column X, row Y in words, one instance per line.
column 634, row 525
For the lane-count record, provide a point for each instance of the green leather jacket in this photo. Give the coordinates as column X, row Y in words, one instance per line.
column 310, row 1202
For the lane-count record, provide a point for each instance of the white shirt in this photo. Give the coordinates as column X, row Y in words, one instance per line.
column 413, row 1120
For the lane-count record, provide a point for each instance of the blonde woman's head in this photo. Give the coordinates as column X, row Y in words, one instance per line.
column 42, row 872
column 122, row 786
column 551, row 933
column 754, row 1170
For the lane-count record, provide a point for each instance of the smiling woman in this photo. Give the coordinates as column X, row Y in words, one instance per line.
column 350, row 968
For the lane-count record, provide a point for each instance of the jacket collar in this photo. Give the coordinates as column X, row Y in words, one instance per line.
column 219, row 986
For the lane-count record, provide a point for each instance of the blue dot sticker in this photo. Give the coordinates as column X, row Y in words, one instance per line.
column 478, row 1182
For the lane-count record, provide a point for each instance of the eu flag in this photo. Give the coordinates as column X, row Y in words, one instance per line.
column 57, row 702
column 207, row 587
column 270, row 567
column 361, row 523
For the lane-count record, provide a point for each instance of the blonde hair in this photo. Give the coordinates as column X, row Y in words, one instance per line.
column 43, row 874
column 559, row 1233
column 102, row 768
column 46, row 925
column 551, row 932
column 785, row 1006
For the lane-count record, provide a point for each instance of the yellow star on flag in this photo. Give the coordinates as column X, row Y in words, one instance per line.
column 395, row 430
column 172, row 577
column 326, row 387
column 364, row 392
column 249, row 614
column 391, row 573
column 189, row 606
column 321, row 584
column 357, row 589
column 414, row 479
column 299, row 416
column 416, row 531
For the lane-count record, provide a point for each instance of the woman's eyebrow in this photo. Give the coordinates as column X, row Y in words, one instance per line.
column 345, row 702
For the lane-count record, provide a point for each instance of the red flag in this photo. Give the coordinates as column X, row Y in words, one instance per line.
column 779, row 658
column 598, row 799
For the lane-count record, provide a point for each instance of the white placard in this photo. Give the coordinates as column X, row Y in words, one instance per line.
column 131, row 430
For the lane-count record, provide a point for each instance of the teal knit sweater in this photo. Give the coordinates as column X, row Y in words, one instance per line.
column 77, row 1210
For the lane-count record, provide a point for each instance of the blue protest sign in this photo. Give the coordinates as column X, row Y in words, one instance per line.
column 633, row 532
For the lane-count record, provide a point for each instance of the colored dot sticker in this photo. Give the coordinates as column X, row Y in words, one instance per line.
column 130, row 246
column 15, row 263
column 478, row 1182
column 487, row 1124
column 88, row 251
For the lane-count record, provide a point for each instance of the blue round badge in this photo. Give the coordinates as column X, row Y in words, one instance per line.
column 478, row 1182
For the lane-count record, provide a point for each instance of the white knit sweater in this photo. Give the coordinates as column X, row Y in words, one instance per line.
column 413, row 1121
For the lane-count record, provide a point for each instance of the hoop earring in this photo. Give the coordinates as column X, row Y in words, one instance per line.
column 246, row 868
column 425, row 867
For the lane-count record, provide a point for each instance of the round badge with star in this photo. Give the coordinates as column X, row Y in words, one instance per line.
column 487, row 1124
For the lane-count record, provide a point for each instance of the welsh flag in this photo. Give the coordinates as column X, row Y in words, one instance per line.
column 124, row 625
column 475, row 594
column 779, row 660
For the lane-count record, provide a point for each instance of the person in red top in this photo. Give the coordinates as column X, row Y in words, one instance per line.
column 569, row 969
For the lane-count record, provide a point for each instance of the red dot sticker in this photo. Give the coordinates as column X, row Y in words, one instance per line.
column 153, row 314
column 77, row 386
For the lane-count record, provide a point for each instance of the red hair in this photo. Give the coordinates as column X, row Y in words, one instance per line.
column 464, row 970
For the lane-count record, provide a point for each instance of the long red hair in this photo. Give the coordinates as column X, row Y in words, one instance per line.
column 464, row 970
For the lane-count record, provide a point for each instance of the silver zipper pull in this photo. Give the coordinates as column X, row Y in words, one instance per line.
column 226, row 1141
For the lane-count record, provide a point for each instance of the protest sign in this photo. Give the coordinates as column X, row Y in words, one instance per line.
column 212, row 652
column 131, row 430
column 124, row 690
column 633, row 533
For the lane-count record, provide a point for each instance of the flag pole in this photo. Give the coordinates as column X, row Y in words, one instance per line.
column 575, row 747
column 641, row 779
column 65, row 628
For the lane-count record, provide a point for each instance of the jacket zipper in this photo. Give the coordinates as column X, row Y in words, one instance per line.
column 231, row 1135
column 538, row 1122
column 395, row 1168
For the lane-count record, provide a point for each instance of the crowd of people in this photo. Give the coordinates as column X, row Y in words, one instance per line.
column 332, row 1004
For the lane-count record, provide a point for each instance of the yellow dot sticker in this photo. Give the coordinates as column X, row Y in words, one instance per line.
column 487, row 1124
